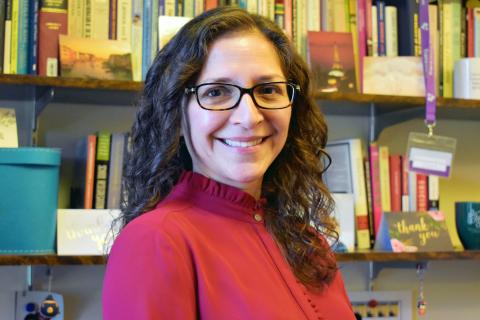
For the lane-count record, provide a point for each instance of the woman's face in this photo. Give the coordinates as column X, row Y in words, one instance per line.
column 237, row 146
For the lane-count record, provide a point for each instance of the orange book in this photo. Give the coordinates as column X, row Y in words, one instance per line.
column 395, row 183
column 90, row 171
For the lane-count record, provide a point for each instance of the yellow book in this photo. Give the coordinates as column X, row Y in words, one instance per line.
column 451, row 42
column 14, row 41
column 124, row 20
column 76, row 17
column 384, row 165
column 353, row 29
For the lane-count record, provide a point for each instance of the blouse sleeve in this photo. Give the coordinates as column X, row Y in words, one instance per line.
column 149, row 275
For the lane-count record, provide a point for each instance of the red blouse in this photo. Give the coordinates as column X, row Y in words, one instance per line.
column 204, row 253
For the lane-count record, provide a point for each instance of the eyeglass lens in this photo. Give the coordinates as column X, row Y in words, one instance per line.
column 225, row 96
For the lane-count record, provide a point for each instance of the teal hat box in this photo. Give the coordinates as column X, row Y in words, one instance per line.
column 28, row 200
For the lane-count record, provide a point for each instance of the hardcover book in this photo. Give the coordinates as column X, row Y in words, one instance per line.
column 95, row 58
column 330, row 56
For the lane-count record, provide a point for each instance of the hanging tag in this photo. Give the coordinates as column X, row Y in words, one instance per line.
column 430, row 154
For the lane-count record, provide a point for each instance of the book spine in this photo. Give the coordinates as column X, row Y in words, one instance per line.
column 434, row 40
column 87, row 24
column 7, row 52
column 112, row 20
column 433, row 193
column 280, row 14
column 359, row 191
column 118, row 145
column 147, row 37
column 355, row 39
column 76, row 18
column 189, row 8
column 137, row 36
column 153, row 32
column 463, row 32
column 376, row 188
column 476, row 32
column 470, row 33
column 374, row 32
column 101, row 169
column 200, row 6
column 23, row 14
column 14, row 41
column 451, row 43
column 170, row 6
column 384, row 178
column 362, row 41
column 369, row 26
column 381, row 28
column 301, row 27
column 288, row 18
column 90, row 171
column 211, row 4
column 32, row 37
column 2, row 32
column 368, row 184
column 339, row 17
column 396, row 183
column 412, row 191
column 179, row 8
column 391, row 31
column 100, row 19
column 124, row 20
column 422, row 192
column 313, row 14
column 405, row 197
column 52, row 21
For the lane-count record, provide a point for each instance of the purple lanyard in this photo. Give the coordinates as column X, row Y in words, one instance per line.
column 428, row 66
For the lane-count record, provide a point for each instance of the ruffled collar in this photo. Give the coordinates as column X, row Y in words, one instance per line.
column 217, row 197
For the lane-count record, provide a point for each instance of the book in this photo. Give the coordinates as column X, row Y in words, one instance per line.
column 451, row 43
column 375, row 185
column 330, row 56
column 76, row 17
column 433, row 193
column 3, row 8
column 346, row 175
column 124, row 20
column 422, row 192
column 102, row 159
column 391, row 31
column 118, row 152
column 32, row 46
column 81, row 192
column 14, row 36
column 95, row 58
column 384, row 166
column 395, row 182
column 7, row 52
column 467, row 78
column 52, row 22
column 344, row 213
column 399, row 76
column 405, row 186
column 408, row 37
column 23, row 36
column 137, row 36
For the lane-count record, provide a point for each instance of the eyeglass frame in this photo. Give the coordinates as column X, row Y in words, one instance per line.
column 249, row 91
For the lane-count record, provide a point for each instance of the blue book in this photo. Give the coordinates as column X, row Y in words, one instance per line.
column 382, row 49
column 32, row 37
column 22, row 50
column 147, row 37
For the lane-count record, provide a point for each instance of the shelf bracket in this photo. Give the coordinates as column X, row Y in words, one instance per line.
column 374, row 269
column 43, row 96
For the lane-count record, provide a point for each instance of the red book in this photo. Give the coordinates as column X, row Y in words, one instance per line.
column 396, row 183
column 368, row 24
column 362, row 38
column 422, row 192
column 470, row 33
column 112, row 25
column 90, row 171
column 405, row 197
column 52, row 21
column 375, row 185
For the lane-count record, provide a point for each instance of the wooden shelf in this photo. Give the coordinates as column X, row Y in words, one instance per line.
column 341, row 257
column 70, row 82
column 116, row 85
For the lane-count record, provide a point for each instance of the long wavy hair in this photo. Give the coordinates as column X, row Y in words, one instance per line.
column 298, row 204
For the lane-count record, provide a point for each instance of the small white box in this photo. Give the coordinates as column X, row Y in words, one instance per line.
column 466, row 79
column 85, row 231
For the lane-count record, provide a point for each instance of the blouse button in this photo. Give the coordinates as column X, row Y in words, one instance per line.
column 258, row 217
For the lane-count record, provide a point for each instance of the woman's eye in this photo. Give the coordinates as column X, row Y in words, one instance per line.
column 214, row 93
column 268, row 90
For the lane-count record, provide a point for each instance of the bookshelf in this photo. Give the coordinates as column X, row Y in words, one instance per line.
column 360, row 256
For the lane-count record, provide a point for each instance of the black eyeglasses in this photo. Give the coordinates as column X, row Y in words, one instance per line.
column 217, row 96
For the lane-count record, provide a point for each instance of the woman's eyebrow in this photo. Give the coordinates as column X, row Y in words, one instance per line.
column 263, row 78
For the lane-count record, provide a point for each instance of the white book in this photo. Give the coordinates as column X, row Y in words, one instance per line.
column 7, row 47
column 466, row 82
column 344, row 213
column 391, row 31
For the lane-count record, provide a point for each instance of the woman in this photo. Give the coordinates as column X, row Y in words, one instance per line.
column 226, row 214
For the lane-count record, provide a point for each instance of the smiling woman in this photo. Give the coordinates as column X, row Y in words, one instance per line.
column 226, row 214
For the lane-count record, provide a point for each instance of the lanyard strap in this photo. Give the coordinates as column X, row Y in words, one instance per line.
column 428, row 67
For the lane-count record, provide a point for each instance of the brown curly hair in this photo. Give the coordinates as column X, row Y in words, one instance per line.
column 298, row 203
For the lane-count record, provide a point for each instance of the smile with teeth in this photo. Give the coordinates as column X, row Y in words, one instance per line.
column 242, row 144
